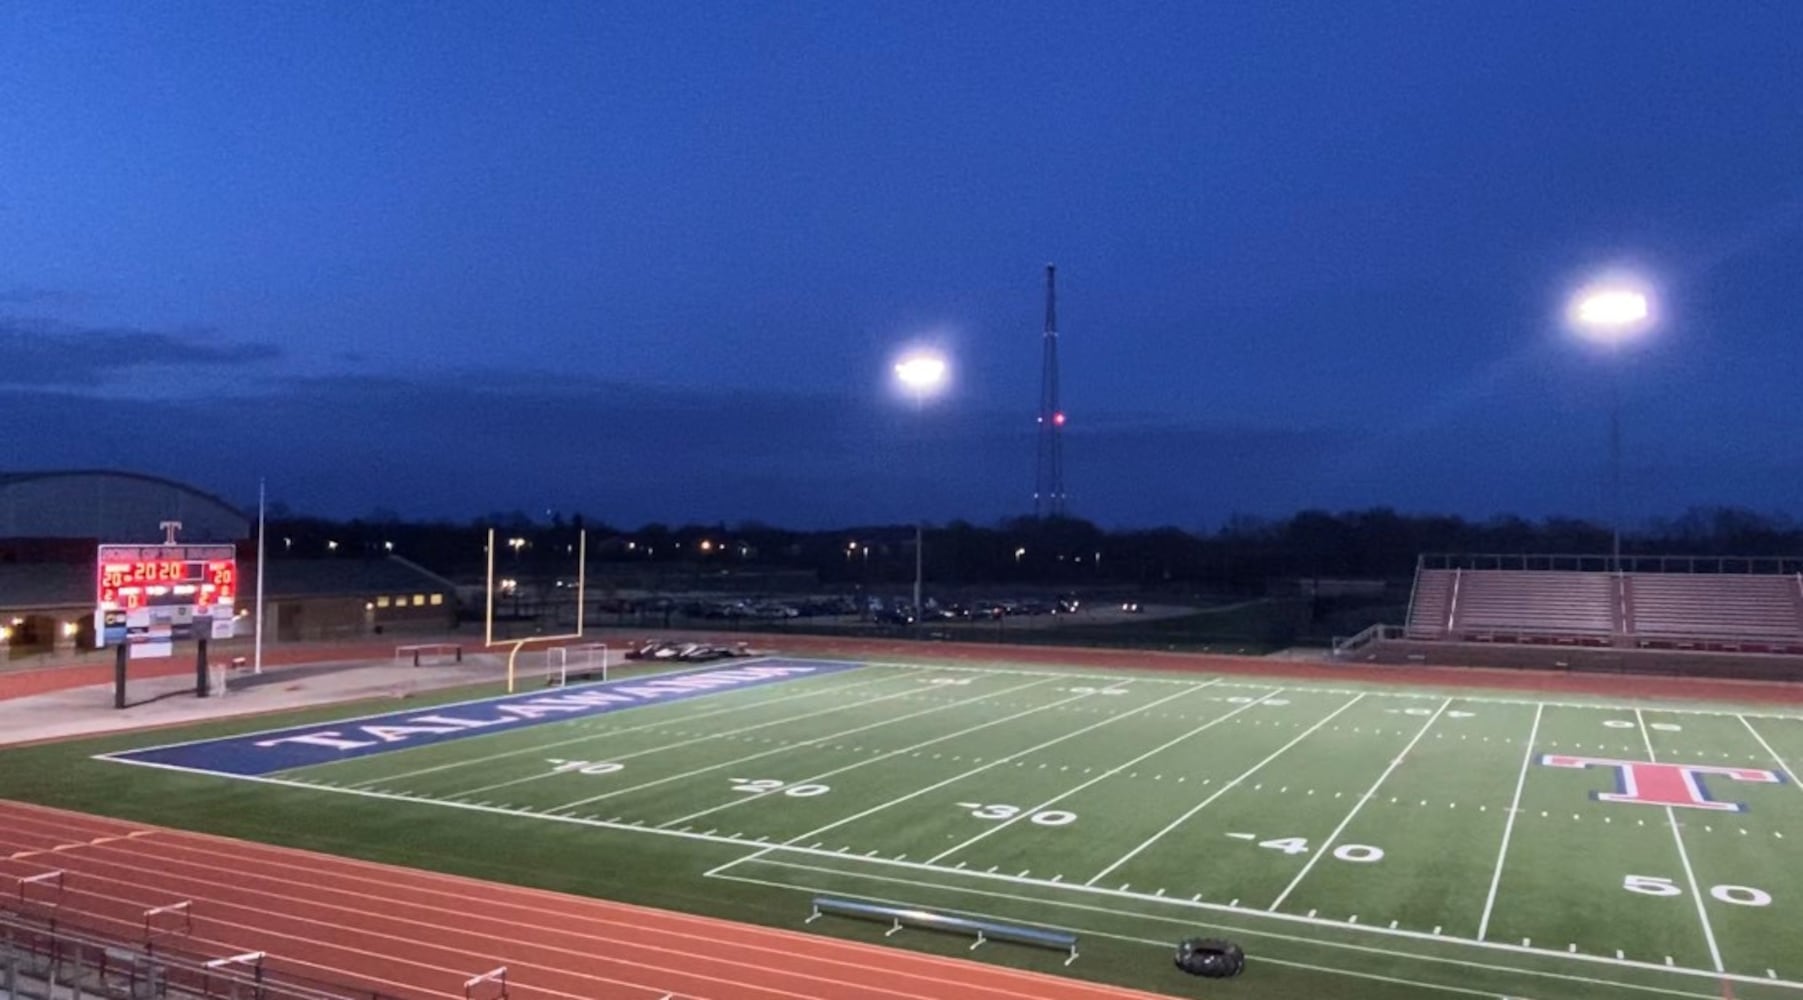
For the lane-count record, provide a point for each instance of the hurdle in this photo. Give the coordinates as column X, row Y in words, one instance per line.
column 55, row 879
column 496, row 976
column 185, row 908
column 252, row 959
column 452, row 649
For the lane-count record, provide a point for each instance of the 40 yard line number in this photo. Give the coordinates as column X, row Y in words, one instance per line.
column 1361, row 854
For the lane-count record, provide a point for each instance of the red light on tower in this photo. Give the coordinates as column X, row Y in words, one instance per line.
column 1058, row 419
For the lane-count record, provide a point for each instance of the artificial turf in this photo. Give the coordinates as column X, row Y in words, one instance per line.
column 1358, row 840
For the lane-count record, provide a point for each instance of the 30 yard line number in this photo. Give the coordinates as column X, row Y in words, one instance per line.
column 1043, row 817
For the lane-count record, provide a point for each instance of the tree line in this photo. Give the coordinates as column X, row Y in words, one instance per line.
column 1243, row 555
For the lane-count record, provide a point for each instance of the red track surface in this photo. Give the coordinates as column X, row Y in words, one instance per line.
column 417, row 935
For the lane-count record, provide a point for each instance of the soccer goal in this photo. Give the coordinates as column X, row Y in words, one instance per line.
column 585, row 662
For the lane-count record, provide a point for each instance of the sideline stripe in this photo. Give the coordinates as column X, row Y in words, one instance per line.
column 1422, row 692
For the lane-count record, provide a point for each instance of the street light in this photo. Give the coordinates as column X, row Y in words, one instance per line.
column 922, row 373
column 1612, row 314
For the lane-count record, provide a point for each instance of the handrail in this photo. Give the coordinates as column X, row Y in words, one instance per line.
column 985, row 930
column 1363, row 637
column 1452, row 603
column 1408, row 616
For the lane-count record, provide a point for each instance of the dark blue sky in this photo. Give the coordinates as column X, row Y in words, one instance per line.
column 652, row 260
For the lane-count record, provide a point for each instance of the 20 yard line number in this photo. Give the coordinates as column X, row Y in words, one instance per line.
column 584, row 766
column 1739, row 895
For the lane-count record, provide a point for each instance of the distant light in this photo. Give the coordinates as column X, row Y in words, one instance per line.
column 1058, row 419
column 707, row 546
column 70, row 629
column 388, row 545
column 331, row 546
column 921, row 372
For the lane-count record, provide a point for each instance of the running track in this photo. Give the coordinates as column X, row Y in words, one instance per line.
column 419, row 935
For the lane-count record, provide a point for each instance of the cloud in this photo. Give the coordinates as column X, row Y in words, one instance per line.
column 45, row 353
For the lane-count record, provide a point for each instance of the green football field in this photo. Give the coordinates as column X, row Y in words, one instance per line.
column 1358, row 840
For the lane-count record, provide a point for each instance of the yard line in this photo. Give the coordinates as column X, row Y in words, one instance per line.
column 541, row 747
column 1527, row 757
column 1671, row 816
column 898, row 800
column 892, row 753
column 1335, row 835
column 540, row 776
column 1224, row 789
column 1768, row 747
column 736, row 761
column 1054, row 800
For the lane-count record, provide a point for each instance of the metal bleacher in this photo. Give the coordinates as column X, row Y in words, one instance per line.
column 1742, row 605
column 1677, row 608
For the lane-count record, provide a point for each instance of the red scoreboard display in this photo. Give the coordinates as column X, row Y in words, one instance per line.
column 156, row 594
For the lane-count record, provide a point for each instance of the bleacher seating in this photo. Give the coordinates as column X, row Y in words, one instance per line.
column 1714, row 606
column 1745, row 612
column 1428, row 607
column 1536, row 602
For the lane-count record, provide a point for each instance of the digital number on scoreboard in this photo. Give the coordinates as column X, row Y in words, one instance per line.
column 152, row 595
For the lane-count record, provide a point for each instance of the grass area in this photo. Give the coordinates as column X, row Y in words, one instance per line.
column 1360, row 841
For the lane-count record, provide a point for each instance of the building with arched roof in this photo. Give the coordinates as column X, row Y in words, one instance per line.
column 51, row 523
column 114, row 507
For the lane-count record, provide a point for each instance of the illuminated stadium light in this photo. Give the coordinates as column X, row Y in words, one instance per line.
column 1610, row 312
column 922, row 372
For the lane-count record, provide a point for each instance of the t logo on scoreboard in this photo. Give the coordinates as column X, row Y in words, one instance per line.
column 1651, row 784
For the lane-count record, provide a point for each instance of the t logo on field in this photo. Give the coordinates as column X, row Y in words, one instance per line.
column 1650, row 784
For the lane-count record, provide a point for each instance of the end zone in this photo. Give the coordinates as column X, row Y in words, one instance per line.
column 272, row 750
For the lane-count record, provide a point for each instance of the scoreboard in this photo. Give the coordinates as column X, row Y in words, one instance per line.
column 150, row 596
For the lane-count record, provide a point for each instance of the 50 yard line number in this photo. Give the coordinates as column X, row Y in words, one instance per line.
column 1655, row 885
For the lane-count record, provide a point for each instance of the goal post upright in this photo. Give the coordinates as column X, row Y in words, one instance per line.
column 581, row 578
column 519, row 644
column 488, row 595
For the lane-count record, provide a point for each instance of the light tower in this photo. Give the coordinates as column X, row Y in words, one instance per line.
column 1048, row 478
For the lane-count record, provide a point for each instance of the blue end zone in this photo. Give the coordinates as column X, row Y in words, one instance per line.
column 323, row 742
